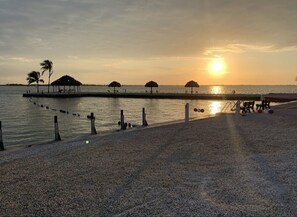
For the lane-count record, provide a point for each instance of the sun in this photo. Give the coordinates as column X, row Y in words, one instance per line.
column 217, row 66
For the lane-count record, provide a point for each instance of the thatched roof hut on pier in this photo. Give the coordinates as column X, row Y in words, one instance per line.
column 64, row 81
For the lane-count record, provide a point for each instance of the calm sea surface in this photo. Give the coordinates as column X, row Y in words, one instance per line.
column 25, row 123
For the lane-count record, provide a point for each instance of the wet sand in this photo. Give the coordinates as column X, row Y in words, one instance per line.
column 223, row 166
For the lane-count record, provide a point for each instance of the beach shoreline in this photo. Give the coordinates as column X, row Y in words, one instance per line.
column 230, row 165
column 12, row 148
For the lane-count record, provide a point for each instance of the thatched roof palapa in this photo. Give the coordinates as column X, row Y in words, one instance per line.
column 151, row 84
column 114, row 84
column 192, row 84
column 66, row 80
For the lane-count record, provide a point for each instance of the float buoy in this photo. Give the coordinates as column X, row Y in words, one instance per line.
column 198, row 110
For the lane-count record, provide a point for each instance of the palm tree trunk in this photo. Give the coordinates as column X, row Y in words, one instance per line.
column 49, row 78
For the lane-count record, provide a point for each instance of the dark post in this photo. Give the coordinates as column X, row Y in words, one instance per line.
column 1, row 139
column 144, row 122
column 93, row 129
column 57, row 134
column 237, row 111
column 123, row 126
column 187, row 112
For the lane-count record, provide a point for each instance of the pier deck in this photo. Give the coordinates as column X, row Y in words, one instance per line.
column 274, row 97
column 149, row 95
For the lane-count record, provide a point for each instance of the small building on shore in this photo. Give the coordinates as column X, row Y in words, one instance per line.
column 66, row 84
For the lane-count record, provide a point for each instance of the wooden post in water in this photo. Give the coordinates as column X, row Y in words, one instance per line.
column 144, row 122
column 1, row 139
column 187, row 112
column 57, row 134
column 237, row 111
column 123, row 125
column 93, row 128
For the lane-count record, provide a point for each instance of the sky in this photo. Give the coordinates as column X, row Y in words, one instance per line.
column 214, row 42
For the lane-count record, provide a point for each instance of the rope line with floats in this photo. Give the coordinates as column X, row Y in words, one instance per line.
column 54, row 109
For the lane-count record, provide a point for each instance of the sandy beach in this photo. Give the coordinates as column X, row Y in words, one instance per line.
column 223, row 166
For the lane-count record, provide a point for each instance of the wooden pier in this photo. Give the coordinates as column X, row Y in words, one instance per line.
column 183, row 96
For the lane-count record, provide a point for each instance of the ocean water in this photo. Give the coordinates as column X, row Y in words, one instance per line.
column 26, row 122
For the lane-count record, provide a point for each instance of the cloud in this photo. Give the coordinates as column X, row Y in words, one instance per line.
column 151, row 30
column 6, row 59
column 240, row 48
column 22, row 59
column 142, row 28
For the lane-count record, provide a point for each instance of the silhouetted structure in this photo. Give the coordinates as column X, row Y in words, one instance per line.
column 68, row 81
column 192, row 84
column 151, row 84
column 114, row 84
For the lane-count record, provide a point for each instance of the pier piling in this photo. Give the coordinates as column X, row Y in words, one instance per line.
column 144, row 122
column 57, row 134
column 187, row 112
column 93, row 128
column 1, row 139
column 237, row 108
column 123, row 125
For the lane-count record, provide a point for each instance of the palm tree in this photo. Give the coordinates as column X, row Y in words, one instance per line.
column 34, row 77
column 47, row 65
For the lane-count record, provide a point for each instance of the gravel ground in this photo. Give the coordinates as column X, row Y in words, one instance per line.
column 223, row 166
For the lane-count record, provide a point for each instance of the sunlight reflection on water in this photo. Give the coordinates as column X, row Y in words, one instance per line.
column 216, row 90
column 215, row 107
